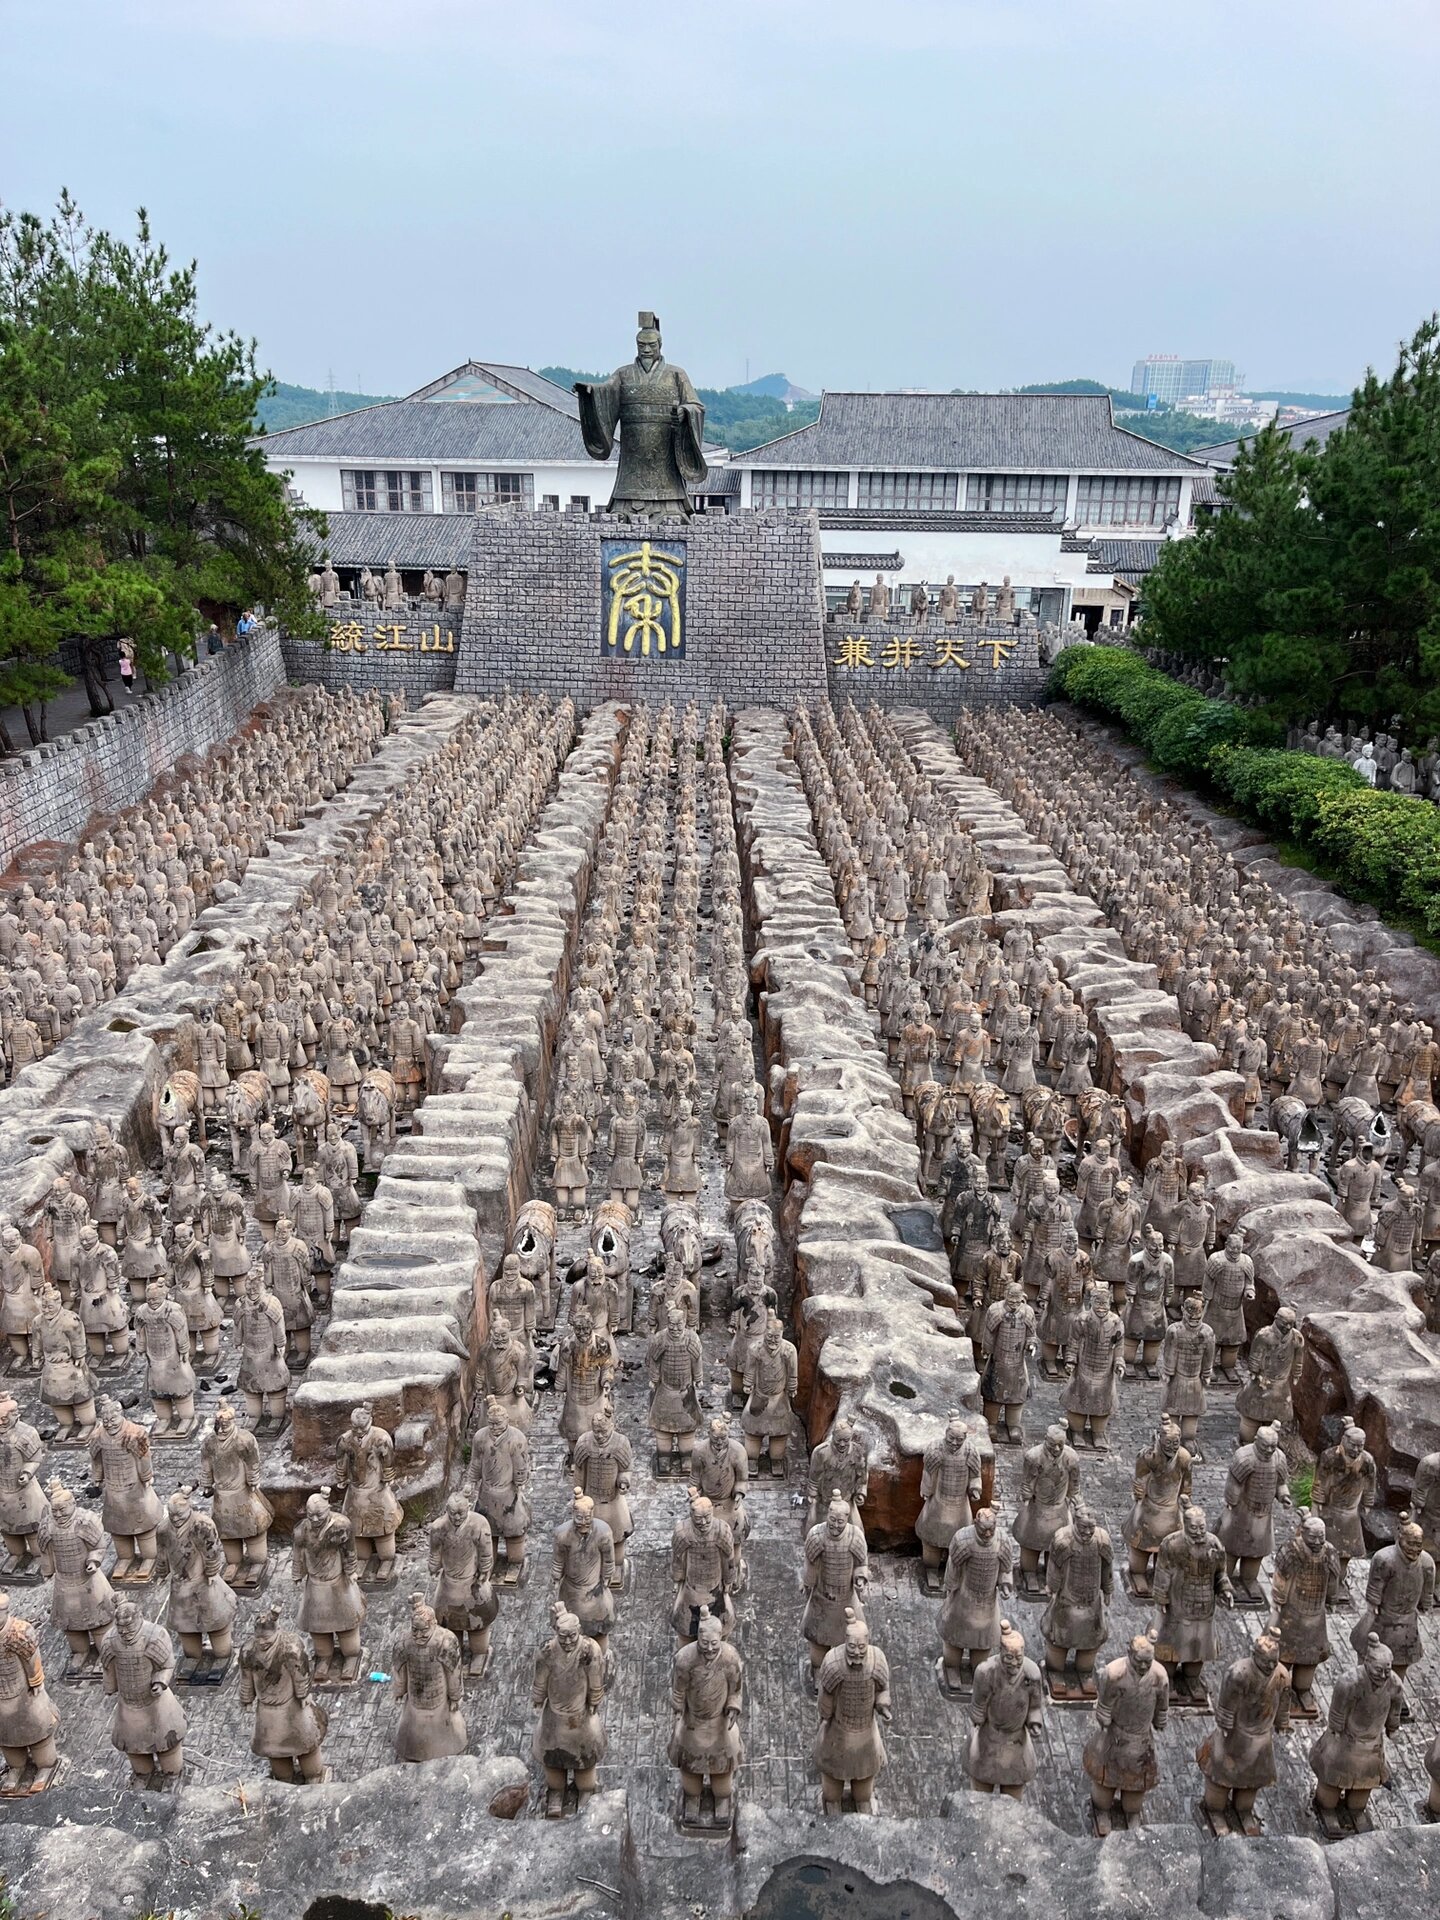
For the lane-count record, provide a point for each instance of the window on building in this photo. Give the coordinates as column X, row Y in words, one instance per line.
column 579, row 503
column 408, row 491
column 1141, row 500
column 357, row 490
column 927, row 492
column 792, row 487
column 464, row 492
column 552, row 501
column 1015, row 492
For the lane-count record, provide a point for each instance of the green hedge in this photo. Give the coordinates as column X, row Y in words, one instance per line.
column 1382, row 847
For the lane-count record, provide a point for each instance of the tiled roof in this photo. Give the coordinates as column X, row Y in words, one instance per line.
column 880, row 521
column 967, row 432
column 517, row 382
column 403, row 430
column 409, row 539
column 863, row 562
column 720, row 481
column 1318, row 428
column 1131, row 559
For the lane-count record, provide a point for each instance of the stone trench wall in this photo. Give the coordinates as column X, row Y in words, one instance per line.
column 879, row 1336
column 407, row 1309
column 50, row 792
column 1367, row 1352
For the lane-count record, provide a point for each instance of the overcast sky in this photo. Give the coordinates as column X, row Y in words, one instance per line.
column 914, row 193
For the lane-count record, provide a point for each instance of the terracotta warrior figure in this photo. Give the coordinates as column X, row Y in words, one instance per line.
column 28, row 1719
column 706, row 1686
column 1401, row 1587
column 584, row 1376
column 138, row 1664
column 584, row 1568
column 569, row 1741
column 277, row 1680
column 1099, row 1365
column 835, row 1574
column 230, row 1471
column 264, row 1375
column 332, row 1607
column 720, row 1468
column 1007, row 1342
column 66, row 1385
column 365, row 1472
column 426, row 1680
column 840, row 1464
column 1080, row 1577
column 1274, row 1362
column 120, row 1464
column 499, row 1484
column 1131, row 1707
column 1343, row 1492
column 22, row 1494
column 702, row 1569
column 1228, row 1286
column 980, row 1568
column 1348, row 1760
column 202, row 1604
column 603, row 1464
column 951, row 1488
column 72, row 1551
column 676, row 1369
column 1006, row 1711
column 1160, row 1491
column 163, row 1335
column 1187, row 1359
column 1238, row 1757
column 1049, row 1487
column 1307, row 1583
column 1258, row 1482
column 462, row 1553
column 771, row 1383
column 749, row 1153
column 1190, row 1582
column 853, row 1695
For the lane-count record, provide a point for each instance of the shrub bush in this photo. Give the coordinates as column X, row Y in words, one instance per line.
column 1382, row 847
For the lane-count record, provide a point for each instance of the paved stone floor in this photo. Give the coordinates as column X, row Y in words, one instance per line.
column 928, row 1739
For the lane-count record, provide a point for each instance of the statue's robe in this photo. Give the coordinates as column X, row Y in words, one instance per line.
column 660, row 449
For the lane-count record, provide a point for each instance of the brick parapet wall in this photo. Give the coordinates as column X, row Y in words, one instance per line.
column 50, row 792
column 904, row 662
column 386, row 667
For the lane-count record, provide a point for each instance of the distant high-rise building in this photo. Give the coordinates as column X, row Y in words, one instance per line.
column 1172, row 380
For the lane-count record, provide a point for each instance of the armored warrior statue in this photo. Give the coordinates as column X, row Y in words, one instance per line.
column 1131, row 1706
column 1005, row 1713
column 1079, row 1577
column 120, row 1464
column 979, row 1568
column 1049, row 1486
column 1238, row 1758
column 1307, row 1583
column 706, row 1684
column 138, row 1664
column 951, row 1488
column 839, row 1464
column 28, row 1719
column 72, row 1551
column 1190, row 1582
column 277, row 1680
column 365, row 1472
column 702, row 1568
column 22, row 1497
column 569, row 1741
column 1348, row 1760
column 835, row 1574
column 425, row 1665
column 462, row 1553
column 584, row 1569
column 853, row 1693
column 230, row 1467
column 332, row 1609
column 499, row 1484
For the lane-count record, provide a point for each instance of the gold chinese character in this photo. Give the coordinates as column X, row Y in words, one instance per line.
column 394, row 644
column 854, row 652
column 901, row 651
column 645, row 592
column 999, row 649
column 346, row 636
column 947, row 651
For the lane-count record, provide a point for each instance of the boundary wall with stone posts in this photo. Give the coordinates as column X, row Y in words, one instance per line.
column 1367, row 1355
column 407, row 1317
column 113, row 1066
column 50, row 792
column 876, row 1313
column 753, row 609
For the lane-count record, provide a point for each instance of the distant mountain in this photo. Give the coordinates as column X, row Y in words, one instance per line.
column 775, row 386
column 286, row 406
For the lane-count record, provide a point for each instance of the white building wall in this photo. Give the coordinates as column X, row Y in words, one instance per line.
column 1030, row 559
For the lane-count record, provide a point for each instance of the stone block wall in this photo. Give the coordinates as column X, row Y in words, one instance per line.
column 533, row 609
column 910, row 663
column 50, row 792
column 359, row 660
